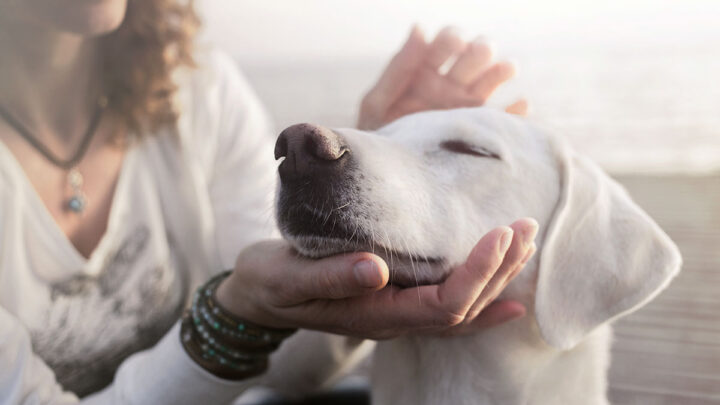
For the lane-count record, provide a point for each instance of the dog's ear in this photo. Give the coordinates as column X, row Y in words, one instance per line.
column 602, row 256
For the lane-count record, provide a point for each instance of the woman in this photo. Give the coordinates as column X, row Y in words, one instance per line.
column 132, row 169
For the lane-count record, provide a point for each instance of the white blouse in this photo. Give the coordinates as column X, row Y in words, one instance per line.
column 186, row 203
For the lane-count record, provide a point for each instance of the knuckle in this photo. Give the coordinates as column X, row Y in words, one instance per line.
column 489, row 271
column 516, row 255
column 282, row 296
column 485, row 271
column 273, row 282
column 351, row 323
column 507, row 70
column 449, row 318
column 479, row 91
column 372, row 100
column 480, row 49
column 279, row 291
column 497, row 73
column 327, row 283
column 367, row 101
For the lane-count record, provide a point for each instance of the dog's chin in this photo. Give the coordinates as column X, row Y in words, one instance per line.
column 407, row 269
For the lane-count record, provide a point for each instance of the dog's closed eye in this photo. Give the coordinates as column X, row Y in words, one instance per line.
column 458, row 146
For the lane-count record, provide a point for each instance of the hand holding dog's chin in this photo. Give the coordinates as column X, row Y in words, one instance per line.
column 348, row 294
column 414, row 81
column 274, row 286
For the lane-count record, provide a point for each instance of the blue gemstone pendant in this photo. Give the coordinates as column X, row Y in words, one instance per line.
column 77, row 202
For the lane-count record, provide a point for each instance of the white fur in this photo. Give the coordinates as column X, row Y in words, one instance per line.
column 599, row 256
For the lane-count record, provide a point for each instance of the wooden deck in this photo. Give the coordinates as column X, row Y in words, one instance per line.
column 669, row 351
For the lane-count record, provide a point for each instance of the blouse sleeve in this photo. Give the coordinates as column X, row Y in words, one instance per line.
column 24, row 377
column 164, row 374
column 242, row 181
column 226, row 131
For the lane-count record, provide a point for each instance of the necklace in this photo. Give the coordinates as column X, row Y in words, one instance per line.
column 77, row 201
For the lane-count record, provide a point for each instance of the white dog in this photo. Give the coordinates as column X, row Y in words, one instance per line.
column 421, row 191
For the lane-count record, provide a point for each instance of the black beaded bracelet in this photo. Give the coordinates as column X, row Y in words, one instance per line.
column 222, row 343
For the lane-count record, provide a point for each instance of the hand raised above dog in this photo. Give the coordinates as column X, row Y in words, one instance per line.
column 414, row 81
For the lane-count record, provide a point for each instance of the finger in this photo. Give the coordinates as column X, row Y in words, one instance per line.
column 407, row 105
column 528, row 256
column 393, row 311
column 524, row 232
column 471, row 63
column 446, row 44
column 496, row 313
column 446, row 304
column 430, row 306
column 467, row 282
column 491, row 79
column 519, row 107
column 334, row 277
column 436, row 91
column 399, row 73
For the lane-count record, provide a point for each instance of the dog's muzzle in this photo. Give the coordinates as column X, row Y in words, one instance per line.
column 321, row 210
column 316, row 176
column 313, row 154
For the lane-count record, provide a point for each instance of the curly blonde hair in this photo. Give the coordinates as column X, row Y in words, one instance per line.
column 154, row 39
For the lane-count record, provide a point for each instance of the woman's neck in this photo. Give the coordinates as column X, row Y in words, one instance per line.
column 49, row 80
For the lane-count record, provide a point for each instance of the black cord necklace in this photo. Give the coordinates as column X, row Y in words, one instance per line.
column 77, row 202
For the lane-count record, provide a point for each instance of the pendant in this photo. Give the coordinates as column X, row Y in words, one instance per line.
column 77, row 202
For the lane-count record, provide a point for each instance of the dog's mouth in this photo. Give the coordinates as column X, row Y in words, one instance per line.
column 316, row 235
column 407, row 269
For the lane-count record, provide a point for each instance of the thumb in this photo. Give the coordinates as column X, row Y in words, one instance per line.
column 400, row 71
column 499, row 311
column 340, row 276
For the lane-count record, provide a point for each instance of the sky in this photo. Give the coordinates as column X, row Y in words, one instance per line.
column 312, row 29
column 634, row 83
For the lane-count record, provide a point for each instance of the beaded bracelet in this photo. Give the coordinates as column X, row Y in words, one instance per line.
column 223, row 344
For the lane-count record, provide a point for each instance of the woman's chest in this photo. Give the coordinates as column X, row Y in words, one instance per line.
column 85, row 326
column 78, row 198
column 86, row 315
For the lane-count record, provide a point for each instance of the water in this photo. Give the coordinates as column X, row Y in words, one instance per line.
column 630, row 111
column 634, row 84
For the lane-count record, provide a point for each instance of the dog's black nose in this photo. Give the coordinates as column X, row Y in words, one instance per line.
column 309, row 151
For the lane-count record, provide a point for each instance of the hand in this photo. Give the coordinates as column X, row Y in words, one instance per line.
column 347, row 294
column 412, row 81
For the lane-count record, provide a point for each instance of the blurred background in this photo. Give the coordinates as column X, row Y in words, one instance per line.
column 635, row 84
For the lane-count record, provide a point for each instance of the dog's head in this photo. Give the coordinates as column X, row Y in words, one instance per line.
column 421, row 191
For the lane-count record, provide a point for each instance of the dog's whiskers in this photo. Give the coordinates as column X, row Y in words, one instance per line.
column 412, row 266
column 387, row 245
column 340, row 207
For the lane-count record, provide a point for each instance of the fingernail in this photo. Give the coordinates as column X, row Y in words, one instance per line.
column 367, row 274
column 484, row 41
column 451, row 31
column 530, row 252
column 415, row 31
column 505, row 240
column 516, row 315
column 531, row 233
